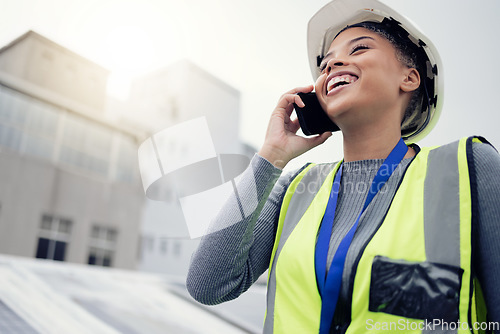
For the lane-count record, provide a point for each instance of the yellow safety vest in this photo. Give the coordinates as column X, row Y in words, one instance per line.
column 424, row 243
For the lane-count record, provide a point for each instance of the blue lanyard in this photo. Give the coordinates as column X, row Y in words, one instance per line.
column 329, row 285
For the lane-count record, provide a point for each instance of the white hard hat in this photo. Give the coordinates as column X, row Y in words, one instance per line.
column 338, row 14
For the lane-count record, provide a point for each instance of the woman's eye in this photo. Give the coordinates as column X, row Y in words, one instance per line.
column 359, row 48
column 355, row 49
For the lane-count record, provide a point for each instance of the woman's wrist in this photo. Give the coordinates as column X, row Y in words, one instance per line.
column 273, row 156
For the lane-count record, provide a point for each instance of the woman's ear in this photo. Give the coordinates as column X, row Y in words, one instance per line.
column 411, row 81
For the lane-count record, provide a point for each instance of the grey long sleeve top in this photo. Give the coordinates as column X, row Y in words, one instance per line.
column 228, row 261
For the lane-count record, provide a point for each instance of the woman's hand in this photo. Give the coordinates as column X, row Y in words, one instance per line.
column 282, row 144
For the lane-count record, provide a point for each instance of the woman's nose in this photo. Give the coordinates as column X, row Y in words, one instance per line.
column 333, row 63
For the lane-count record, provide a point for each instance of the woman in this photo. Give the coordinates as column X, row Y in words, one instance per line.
column 393, row 237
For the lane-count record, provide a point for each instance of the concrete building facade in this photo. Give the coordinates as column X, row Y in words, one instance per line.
column 70, row 189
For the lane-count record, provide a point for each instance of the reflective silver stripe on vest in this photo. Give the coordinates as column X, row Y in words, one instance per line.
column 442, row 208
column 307, row 189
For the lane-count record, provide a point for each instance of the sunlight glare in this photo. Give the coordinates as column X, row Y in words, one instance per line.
column 127, row 52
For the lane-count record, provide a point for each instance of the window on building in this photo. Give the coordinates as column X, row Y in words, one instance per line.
column 164, row 246
column 146, row 246
column 149, row 244
column 37, row 128
column 102, row 245
column 126, row 162
column 13, row 115
column 53, row 238
column 86, row 145
column 177, row 248
column 26, row 124
column 41, row 130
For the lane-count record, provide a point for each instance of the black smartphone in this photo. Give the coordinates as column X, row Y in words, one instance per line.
column 312, row 118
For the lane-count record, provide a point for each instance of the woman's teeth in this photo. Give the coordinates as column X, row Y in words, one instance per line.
column 339, row 81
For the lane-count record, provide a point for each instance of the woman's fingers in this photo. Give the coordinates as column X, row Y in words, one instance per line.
column 294, row 126
column 291, row 96
column 287, row 100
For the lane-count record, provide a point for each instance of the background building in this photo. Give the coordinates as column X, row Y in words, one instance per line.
column 70, row 184
column 71, row 191
column 158, row 100
column 68, row 157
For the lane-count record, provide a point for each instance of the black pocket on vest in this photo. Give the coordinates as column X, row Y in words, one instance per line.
column 418, row 290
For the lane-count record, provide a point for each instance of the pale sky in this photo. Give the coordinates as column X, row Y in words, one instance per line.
column 259, row 47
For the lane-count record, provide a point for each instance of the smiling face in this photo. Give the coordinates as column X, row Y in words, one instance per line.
column 362, row 81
